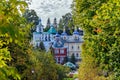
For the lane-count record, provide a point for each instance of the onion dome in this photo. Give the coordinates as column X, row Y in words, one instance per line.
column 64, row 33
column 57, row 35
column 76, row 32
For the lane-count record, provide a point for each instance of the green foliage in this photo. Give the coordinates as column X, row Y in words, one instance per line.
column 12, row 31
column 67, row 22
column 46, row 66
column 62, row 71
column 46, row 29
column 13, row 39
column 73, row 60
column 6, row 71
column 32, row 19
column 42, row 66
column 41, row 46
column 66, row 60
column 10, row 17
column 31, row 16
column 100, row 22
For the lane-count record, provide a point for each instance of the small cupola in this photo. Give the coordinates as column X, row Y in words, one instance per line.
column 39, row 27
column 76, row 34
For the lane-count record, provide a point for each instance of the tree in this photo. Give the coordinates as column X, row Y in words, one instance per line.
column 6, row 71
column 67, row 22
column 44, row 67
column 73, row 60
column 31, row 16
column 100, row 50
column 20, row 57
column 48, row 25
column 42, row 47
column 55, row 23
column 62, row 71
column 32, row 19
column 46, row 29
column 11, row 27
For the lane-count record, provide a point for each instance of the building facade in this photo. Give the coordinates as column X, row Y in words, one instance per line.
column 45, row 37
column 59, row 50
column 73, row 43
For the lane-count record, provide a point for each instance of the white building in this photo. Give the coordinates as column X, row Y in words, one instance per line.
column 45, row 37
column 71, row 42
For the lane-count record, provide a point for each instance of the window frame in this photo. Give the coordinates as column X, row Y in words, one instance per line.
column 62, row 51
column 56, row 51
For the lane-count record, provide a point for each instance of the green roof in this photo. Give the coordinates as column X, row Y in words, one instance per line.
column 52, row 30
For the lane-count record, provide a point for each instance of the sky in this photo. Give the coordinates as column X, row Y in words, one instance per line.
column 50, row 9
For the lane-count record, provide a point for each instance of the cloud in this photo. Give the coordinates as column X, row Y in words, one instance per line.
column 51, row 8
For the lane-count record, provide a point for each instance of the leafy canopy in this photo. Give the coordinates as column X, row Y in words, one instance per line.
column 100, row 21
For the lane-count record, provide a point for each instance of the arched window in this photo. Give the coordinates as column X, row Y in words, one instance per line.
column 72, row 47
column 77, row 55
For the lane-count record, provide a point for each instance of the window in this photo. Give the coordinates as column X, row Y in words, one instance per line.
column 77, row 55
column 56, row 51
column 56, row 59
column 62, row 51
column 72, row 47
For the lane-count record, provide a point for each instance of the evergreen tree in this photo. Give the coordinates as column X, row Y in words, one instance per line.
column 73, row 60
column 42, row 47
column 55, row 23
column 48, row 25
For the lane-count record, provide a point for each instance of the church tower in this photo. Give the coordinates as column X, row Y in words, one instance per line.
column 39, row 27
